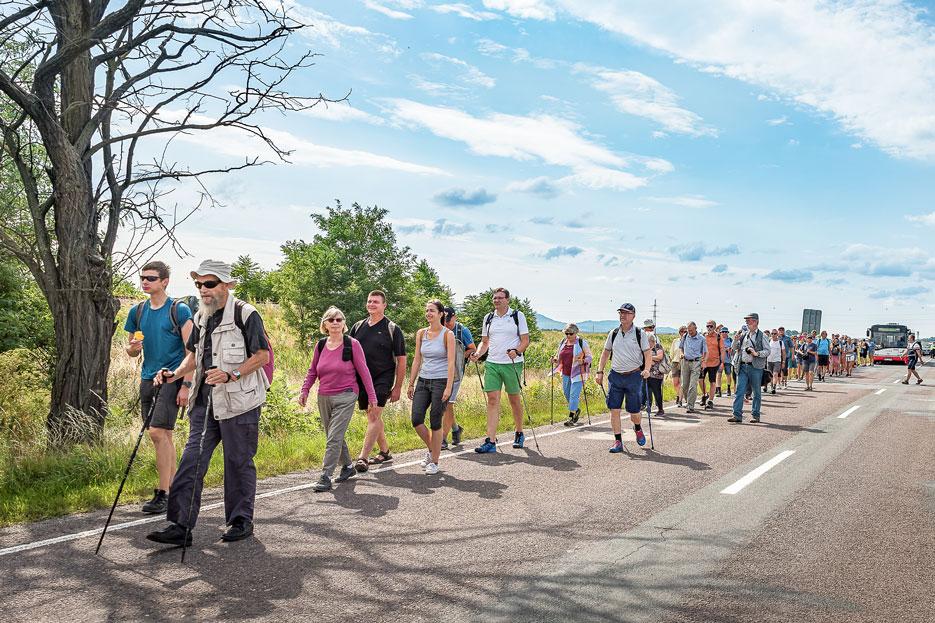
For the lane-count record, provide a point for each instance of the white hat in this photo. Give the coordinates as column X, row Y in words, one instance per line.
column 219, row 269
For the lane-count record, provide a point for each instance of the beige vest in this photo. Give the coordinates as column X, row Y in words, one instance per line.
column 229, row 352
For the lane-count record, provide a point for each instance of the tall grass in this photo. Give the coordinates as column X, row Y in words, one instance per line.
column 36, row 482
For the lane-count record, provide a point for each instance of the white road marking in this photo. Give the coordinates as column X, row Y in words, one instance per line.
column 848, row 412
column 896, row 381
column 880, row 391
column 738, row 486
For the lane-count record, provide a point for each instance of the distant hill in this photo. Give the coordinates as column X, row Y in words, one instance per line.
column 589, row 326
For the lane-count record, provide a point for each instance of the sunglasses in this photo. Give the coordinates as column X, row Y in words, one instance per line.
column 209, row 285
column 569, row 333
column 335, row 319
column 710, row 326
column 149, row 278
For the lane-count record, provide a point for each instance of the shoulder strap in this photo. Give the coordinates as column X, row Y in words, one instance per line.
column 580, row 343
column 487, row 320
column 174, row 314
column 347, row 353
column 139, row 313
column 639, row 338
column 515, row 316
column 392, row 328
column 356, row 327
column 613, row 335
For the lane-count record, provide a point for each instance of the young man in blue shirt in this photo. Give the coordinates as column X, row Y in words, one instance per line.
column 158, row 328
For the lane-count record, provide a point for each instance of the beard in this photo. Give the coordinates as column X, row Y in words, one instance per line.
column 211, row 305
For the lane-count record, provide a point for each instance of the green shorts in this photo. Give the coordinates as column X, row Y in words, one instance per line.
column 498, row 375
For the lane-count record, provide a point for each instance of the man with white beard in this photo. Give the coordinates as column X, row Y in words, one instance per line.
column 227, row 350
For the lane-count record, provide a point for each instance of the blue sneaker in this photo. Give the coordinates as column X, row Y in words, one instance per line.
column 640, row 437
column 486, row 447
column 617, row 447
column 518, row 440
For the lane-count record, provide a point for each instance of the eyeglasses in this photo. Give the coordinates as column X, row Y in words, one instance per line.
column 148, row 278
column 208, row 285
column 335, row 319
column 569, row 332
column 710, row 326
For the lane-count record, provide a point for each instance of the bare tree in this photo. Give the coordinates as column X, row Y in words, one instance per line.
column 91, row 97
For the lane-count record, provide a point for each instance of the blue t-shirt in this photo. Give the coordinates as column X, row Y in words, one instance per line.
column 790, row 347
column 466, row 338
column 161, row 347
column 824, row 346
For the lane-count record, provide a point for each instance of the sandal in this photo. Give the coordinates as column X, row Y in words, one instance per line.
column 381, row 457
column 361, row 466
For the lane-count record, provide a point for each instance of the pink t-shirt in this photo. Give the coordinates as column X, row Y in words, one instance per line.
column 335, row 375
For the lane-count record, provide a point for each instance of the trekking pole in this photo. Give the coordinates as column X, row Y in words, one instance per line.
column 209, row 412
column 526, row 408
column 649, row 414
column 584, row 390
column 146, row 421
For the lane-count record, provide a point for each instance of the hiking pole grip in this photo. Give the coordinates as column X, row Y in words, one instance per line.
column 126, row 473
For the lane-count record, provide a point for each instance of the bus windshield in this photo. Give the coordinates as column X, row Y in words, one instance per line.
column 890, row 337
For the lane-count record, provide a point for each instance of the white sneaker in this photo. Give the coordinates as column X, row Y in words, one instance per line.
column 431, row 468
column 426, row 460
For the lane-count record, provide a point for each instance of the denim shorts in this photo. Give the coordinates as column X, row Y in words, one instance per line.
column 626, row 387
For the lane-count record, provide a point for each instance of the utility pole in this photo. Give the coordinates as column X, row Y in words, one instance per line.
column 654, row 311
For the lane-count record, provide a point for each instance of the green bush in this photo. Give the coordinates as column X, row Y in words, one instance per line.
column 24, row 398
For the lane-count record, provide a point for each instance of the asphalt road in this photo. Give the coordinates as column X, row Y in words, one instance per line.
column 838, row 526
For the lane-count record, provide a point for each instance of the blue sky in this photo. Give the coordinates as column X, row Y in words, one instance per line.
column 761, row 156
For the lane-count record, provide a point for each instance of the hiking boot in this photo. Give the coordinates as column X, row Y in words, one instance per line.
column 174, row 534
column 158, row 504
column 905, row 382
column 717, row 392
column 690, row 410
column 755, row 419
column 456, row 435
column 704, row 399
column 486, row 447
column 708, row 406
column 323, row 484
column 640, row 437
column 518, row 439
column 575, row 416
column 774, row 391
column 616, row 448
column 445, row 443
column 710, row 403
column 239, row 529
column 919, row 382
column 734, row 420
column 346, row 472
column 728, row 390
column 571, row 420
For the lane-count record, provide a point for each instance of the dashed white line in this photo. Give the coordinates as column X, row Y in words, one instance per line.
column 880, row 391
column 897, row 381
column 848, row 412
column 738, row 486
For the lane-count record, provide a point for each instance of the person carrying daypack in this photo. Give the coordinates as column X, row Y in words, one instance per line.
column 572, row 359
column 913, row 356
column 464, row 346
column 229, row 388
column 158, row 328
column 750, row 352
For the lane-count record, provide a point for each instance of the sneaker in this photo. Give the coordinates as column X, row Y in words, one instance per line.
column 704, row 399
column 734, row 420
column 575, row 416
column 774, row 391
column 158, row 504
column 905, row 382
column 431, row 469
column 640, row 437
column 710, row 403
column 616, row 448
column 755, row 419
column 717, row 392
column 346, row 472
column 445, row 443
column 323, row 484
column 919, row 382
column 571, row 420
column 690, row 410
column 426, row 459
column 728, row 390
column 708, row 406
column 361, row 465
column 239, row 529
column 518, row 440
column 486, row 447
column 174, row 534
column 456, row 435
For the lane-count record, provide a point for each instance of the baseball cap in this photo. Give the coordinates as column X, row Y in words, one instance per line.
column 219, row 269
column 753, row 315
column 450, row 311
column 725, row 330
column 648, row 323
column 627, row 307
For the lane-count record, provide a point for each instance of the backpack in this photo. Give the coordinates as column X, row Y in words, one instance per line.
column 489, row 318
column 459, row 351
column 390, row 325
column 347, row 352
column 270, row 365
column 173, row 312
column 639, row 342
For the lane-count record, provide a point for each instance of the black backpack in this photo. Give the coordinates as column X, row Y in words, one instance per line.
column 173, row 311
column 347, row 353
column 489, row 318
column 639, row 342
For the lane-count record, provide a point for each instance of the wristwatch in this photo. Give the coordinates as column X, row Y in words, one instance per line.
column 187, row 384
column 235, row 374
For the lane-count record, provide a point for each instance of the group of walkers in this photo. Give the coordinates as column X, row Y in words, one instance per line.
column 217, row 363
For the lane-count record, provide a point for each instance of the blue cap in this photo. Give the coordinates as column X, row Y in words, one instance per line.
column 627, row 307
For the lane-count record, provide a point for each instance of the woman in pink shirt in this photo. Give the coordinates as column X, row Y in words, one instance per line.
column 337, row 363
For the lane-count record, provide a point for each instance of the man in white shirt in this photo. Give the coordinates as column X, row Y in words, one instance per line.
column 505, row 337
column 777, row 354
column 913, row 357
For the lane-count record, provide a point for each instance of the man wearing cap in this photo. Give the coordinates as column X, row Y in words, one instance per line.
column 694, row 348
column 632, row 360
column 464, row 342
column 227, row 349
column 789, row 348
column 750, row 351
column 649, row 329
column 726, row 366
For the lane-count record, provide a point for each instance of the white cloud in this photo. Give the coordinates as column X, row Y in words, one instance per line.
column 488, row 47
column 324, row 29
column 527, row 9
column 387, row 11
column 925, row 219
column 686, row 201
column 635, row 93
column 783, row 120
column 540, row 186
column 551, row 140
column 470, row 73
column 341, row 111
column 869, row 64
column 437, row 89
column 466, row 11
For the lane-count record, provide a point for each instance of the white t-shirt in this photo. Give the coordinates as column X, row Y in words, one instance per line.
column 775, row 351
column 626, row 353
column 503, row 335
